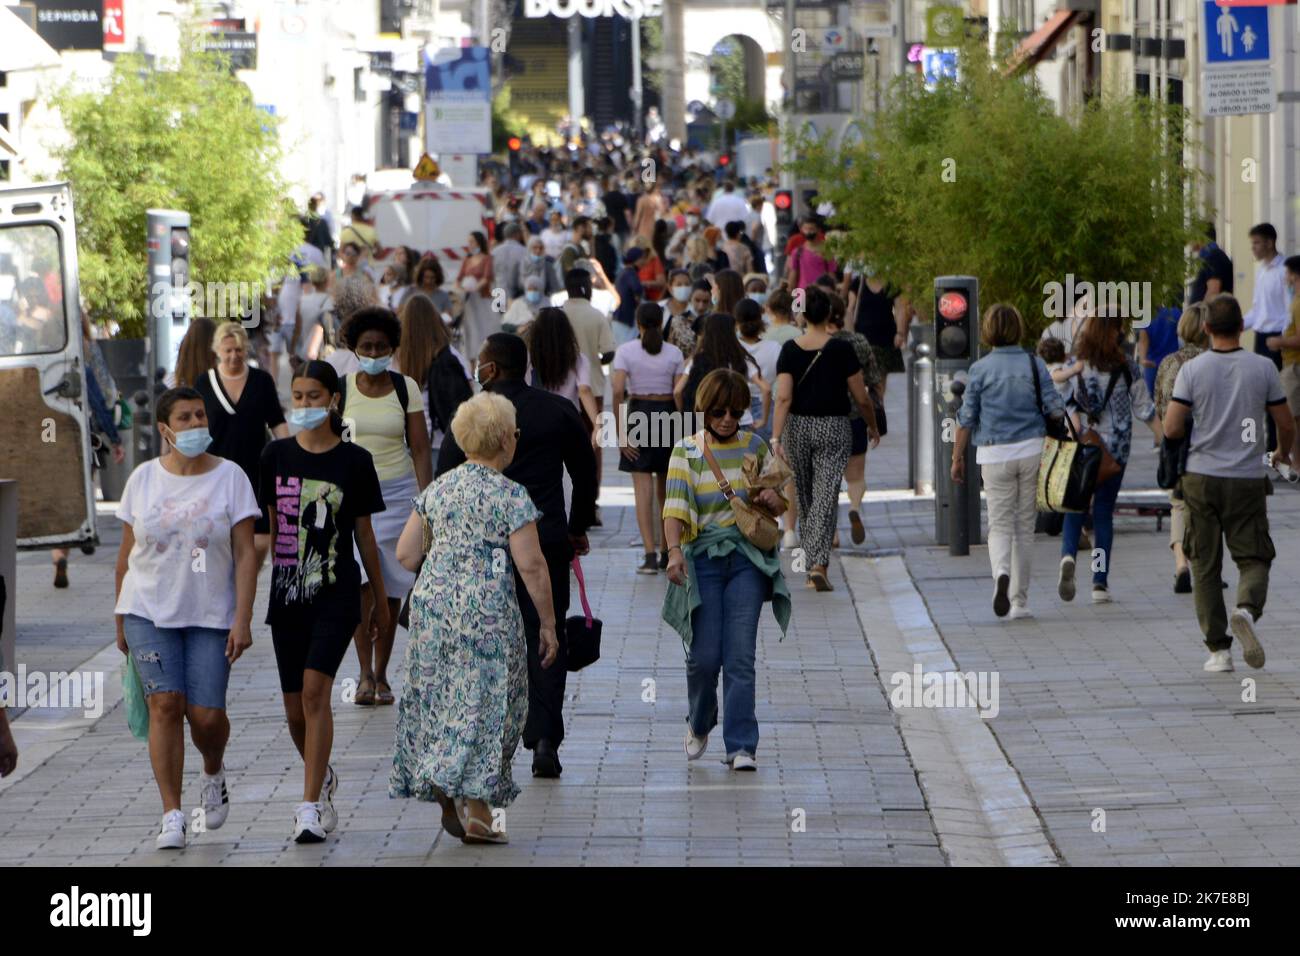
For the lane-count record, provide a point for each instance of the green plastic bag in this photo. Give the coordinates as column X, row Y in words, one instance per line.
column 137, row 711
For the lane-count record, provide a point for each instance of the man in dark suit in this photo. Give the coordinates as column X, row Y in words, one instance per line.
column 552, row 439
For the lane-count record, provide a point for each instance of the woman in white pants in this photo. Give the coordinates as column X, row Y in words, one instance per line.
column 1007, row 396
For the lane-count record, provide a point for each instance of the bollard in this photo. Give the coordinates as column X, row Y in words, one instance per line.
column 959, row 492
column 921, row 426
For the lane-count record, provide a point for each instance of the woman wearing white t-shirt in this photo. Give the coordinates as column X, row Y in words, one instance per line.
column 308, row 326
column 186, row 577
column 750, row 326
column 646, row 370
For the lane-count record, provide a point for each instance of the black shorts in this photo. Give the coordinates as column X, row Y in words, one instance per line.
column 861, row 438
column 317, row 643
column 661, row 428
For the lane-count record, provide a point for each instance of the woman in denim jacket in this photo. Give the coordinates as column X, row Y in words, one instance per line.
column 1006, row 417
column 1109, row 411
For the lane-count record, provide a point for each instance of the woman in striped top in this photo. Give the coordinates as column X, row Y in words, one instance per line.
column 720, row 580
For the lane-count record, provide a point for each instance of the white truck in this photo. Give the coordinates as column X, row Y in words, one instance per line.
column 429, row 218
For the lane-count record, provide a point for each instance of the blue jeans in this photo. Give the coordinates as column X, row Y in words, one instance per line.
column 190, row 661
column 725, row 632
column 1103, row 527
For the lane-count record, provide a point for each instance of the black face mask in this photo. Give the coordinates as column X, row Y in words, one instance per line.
column 721, row 438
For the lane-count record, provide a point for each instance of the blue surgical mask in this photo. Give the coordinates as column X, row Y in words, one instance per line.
column 533, row 296
column 682, row 293
column 192, row 442
column 535, row 258
column 375, row 366
column 759, row 297
column 307, row 417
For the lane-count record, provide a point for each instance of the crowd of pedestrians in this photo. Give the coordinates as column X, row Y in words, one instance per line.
column 444, row 467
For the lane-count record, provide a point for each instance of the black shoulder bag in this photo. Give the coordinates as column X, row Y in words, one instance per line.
column 1056, row 427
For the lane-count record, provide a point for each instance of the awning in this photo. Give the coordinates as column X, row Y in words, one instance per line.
column 21, row 48
column 1038, row 44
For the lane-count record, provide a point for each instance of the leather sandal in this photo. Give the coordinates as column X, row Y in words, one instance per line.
column 383, row 693
column 365, row 696
column 819, row 580
column 451, row 821
column 476, row 831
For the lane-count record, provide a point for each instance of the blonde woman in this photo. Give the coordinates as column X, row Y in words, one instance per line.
column 466, row 696
column 242, row 402
column 1192, row 334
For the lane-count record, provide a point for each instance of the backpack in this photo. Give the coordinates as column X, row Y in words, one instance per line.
column 399, row 386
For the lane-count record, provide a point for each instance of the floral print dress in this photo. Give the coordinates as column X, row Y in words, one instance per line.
column 466, row 696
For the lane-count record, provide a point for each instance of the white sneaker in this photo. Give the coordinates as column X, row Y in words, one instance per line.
column 744, row 762
column 1020, row 613
column 1101, row 594
column 214, row 798
column 1065, row 582
column 1219, row 661
column 329, row 817
column 695, row 746
column 789, row 540
column 171, row 836
column 1242, row 623
column 306, row 824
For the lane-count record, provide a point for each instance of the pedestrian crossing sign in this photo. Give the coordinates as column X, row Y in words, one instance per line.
column 426, row 170
column 1235, row 34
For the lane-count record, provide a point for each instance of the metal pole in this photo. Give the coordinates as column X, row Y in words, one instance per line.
column 637, row 92
column 577, row 95
column 900, row 39
column 923, row 426
column 787, row 176
column 960, row 492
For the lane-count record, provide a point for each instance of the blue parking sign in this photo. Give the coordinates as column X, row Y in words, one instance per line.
column 1235, row 34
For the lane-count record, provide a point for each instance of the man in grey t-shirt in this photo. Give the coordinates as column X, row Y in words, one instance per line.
column 1226, row 396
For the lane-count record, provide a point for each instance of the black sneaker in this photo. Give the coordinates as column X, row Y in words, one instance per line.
column 663, row 560
column 650, row 565
column 61, row 573
column 1001, row 603
column 1183, row 582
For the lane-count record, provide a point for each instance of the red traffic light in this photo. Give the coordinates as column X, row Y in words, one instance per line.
column 724, row 160
column 952, row 305
column 783, row 200
column 515, row 143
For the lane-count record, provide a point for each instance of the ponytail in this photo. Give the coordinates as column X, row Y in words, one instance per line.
column 649, row 318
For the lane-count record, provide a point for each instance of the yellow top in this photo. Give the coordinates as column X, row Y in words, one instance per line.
column 379, row 426
column 1292, row 356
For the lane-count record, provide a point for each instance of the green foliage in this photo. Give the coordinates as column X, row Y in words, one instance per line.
column 189, row 139
column 505, row 121
column 981, row 177
column 751, row 115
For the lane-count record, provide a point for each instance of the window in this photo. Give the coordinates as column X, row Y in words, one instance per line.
column 31, row 291
column 1142, row 84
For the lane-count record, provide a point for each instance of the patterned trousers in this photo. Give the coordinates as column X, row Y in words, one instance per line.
column 818, row 449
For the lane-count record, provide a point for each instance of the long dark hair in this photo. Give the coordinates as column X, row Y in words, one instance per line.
column 1098, row 344
column 196, row 356
column 719, row 347
column 650, row 320
column 552, row 347
column 731, row 289
column 659, row 241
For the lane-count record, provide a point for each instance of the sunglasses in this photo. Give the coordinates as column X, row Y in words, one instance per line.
column 735, row 413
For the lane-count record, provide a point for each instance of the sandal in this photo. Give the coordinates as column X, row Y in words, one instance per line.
column 383, row 693
column 819, row 581
column 61, row 573
column 451, row 821
column 476, row 831
column 364, row 697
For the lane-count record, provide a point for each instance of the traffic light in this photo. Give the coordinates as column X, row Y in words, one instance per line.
column 784, row 203
column 514, row 144
column 956, row 310
column 724, row 160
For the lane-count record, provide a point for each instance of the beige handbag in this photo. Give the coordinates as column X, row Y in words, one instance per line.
column 755, row 523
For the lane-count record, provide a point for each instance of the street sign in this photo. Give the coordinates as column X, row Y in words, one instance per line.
column 834, row 40
column 426, row 170
column 1238, row 70
column 938, row 65
column 725, row 108
column 1235, row 35
column 944, row 26
column 848, row 66
column 879, row 30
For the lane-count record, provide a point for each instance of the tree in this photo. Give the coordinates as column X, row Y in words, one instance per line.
column 981, row 177
column 189, row 138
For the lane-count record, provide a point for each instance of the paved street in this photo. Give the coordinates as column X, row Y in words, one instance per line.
column 1100, row 709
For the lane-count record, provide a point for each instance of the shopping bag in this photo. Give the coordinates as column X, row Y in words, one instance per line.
column 137, row 709
column 1067, row 475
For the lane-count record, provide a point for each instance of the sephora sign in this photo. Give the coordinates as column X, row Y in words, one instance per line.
column 593, row 8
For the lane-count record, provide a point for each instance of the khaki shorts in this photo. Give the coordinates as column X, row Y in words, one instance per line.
column 1291, row 387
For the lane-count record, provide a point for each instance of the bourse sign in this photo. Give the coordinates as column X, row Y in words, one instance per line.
column 630, row 9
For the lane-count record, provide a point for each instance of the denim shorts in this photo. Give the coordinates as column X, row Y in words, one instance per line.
column 185, row 660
